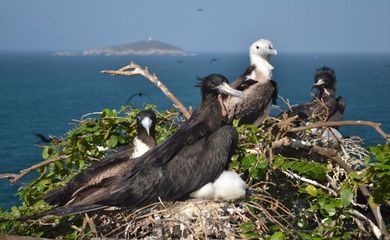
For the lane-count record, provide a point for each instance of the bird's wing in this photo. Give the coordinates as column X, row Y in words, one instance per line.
column 338, row 114
column 194, row 166
column 303, row 110
column 190, row 132
column 256, row 102
column 317, row 108
column 330, row 103
column 340, row 104
column 114, row 165
column 274, row 95
column 242, row 82
column 203, row 163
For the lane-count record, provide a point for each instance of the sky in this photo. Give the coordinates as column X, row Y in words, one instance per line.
column 201, row 25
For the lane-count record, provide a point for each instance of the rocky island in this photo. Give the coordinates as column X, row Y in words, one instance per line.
column 146, row 47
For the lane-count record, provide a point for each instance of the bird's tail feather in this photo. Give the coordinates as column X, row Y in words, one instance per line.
column 60, row 211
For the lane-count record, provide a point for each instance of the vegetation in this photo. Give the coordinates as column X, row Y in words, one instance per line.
column 303, row 197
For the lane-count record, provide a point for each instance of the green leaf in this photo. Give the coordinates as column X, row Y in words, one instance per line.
column 45, row 153
column 113, row 141
column 330, row 209
column 109, row 113
column 248, row 161
column 15, row 211
column 247, row 227
column 277, row 236
column 346, row 197
column 310, row 189
column 279, row 160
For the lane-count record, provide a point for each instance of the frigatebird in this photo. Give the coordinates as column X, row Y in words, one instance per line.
column 259, row 89
column 324, row 105
column 116, row 164
column 189, row 159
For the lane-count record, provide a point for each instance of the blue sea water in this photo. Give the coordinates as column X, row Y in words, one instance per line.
column 42, row 93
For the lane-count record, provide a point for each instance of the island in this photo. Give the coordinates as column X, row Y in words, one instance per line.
column 145, row 47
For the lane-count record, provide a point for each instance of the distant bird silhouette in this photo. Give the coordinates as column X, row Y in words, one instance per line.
column 213, row 60
column 137, row 94
column 180, row 61
column 42, row 137
column 200, row 9
column 47, row 139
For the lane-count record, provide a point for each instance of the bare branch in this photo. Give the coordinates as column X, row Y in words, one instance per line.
column 312, row 182
column 374, row 125
column 373, row 227
column 133, row 69
column 13, row 178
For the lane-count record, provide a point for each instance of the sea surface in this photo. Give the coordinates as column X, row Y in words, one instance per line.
column 40, row 93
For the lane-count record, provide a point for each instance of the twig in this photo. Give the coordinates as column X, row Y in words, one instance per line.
column 133, row 69
column 373, row 227
column 312, row 182
column 374, row 125
column 13, row 178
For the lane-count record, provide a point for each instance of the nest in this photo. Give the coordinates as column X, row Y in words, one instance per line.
column 191, row 219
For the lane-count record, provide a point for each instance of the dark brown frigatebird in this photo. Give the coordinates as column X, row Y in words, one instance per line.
column 116, row 164
column 324, row 106
column 195, row 155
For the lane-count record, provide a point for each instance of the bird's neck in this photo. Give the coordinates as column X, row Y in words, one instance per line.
column 263, row 67
column 143, row 136
column 211, row 108
column 325, row 92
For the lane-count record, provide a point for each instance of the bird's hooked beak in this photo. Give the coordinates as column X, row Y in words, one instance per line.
column 319, row 83
column 226, row 89
column 147, row 123
column 273, row 52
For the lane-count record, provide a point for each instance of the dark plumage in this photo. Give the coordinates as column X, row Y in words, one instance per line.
column 259, row 90
column 195, row 155
column 324, row 105
column 115, row 165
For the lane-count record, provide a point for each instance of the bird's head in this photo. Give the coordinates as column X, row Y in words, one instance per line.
column 216, row 86
column 325, row 80
column 146, row 120
column 262, row 48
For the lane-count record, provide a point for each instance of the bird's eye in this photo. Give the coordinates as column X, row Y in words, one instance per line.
column 270, row 47
column 257, row 47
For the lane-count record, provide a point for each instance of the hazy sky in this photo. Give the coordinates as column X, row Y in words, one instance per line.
column 223, row 25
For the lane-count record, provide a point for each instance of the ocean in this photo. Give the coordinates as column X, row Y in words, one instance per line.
column 40, row 93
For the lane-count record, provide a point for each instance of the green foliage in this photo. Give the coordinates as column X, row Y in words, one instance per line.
column 82, row 146
column 321, row 216
column 249, row 230
column 312, row 170
column 378, row 173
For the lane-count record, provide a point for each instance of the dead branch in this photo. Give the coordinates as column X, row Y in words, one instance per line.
column 312, row 182
column 133, row 69
column 374, row 125
column 13, row 178
column 373, row 227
